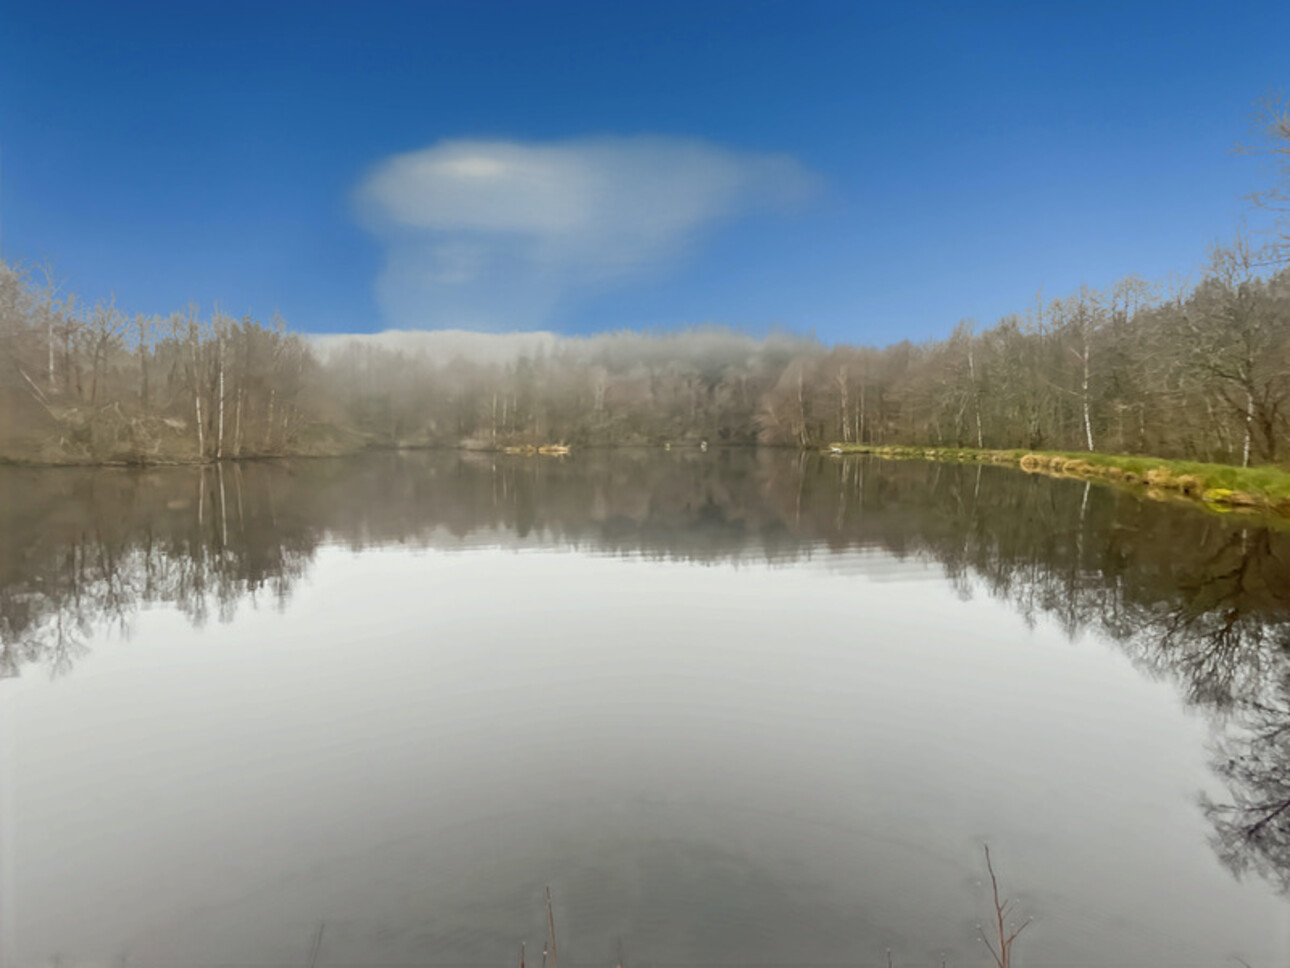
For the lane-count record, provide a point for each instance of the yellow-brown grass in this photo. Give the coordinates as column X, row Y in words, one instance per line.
column 1160, row 477
column 1078, row 468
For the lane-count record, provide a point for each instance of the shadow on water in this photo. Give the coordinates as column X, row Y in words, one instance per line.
column 1200, row 599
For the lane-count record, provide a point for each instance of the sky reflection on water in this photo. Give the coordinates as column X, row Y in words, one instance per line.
column 776, row 756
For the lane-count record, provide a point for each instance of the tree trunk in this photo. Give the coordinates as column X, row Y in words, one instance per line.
column 237, row 432
column 801, row 407
column 94, row 371
column 976, row 400
column 842, row 405
column 219, row 434
column 142, row 333
column 194, row 341
column 197, row 405
column 1249, row 427
column 1088, row 423
column 268, row 422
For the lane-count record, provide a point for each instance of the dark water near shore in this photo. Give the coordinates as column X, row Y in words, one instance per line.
column 736, row 708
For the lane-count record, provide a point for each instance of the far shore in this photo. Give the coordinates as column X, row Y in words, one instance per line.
column 1221, row 487
column 50, row 457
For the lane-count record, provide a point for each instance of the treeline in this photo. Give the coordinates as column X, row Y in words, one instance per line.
column 88, row 384
column 1200, row 373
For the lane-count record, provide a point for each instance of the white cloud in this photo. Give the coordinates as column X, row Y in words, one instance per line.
column 493, row 234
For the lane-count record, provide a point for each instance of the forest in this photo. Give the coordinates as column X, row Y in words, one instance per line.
column 1200, row 372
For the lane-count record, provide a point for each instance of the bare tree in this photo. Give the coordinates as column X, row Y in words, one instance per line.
column 194, row 339
column 1238, row 341
column 1271, row 143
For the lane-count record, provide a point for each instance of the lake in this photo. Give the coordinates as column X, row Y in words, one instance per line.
column 741, row 707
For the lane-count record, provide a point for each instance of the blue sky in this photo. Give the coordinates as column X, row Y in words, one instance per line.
column 866, row 172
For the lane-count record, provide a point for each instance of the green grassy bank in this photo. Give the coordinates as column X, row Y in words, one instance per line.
column 1221, row 486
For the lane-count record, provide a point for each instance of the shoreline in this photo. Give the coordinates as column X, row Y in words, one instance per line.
column 509, row 450
column 1220, row 487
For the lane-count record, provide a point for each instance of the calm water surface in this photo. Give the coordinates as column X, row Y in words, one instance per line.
column 736, row 708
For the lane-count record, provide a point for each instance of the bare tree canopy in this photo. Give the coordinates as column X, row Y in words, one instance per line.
column 1271, row 144
column 1201, row 374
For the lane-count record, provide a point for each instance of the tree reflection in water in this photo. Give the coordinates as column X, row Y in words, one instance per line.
column 1200, row 599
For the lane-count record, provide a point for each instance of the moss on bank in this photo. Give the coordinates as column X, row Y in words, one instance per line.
column 1220, row 486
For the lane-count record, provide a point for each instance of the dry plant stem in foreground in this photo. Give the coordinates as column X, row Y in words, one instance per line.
column 1004, row 939
column 317, row 945
column 550, row 923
